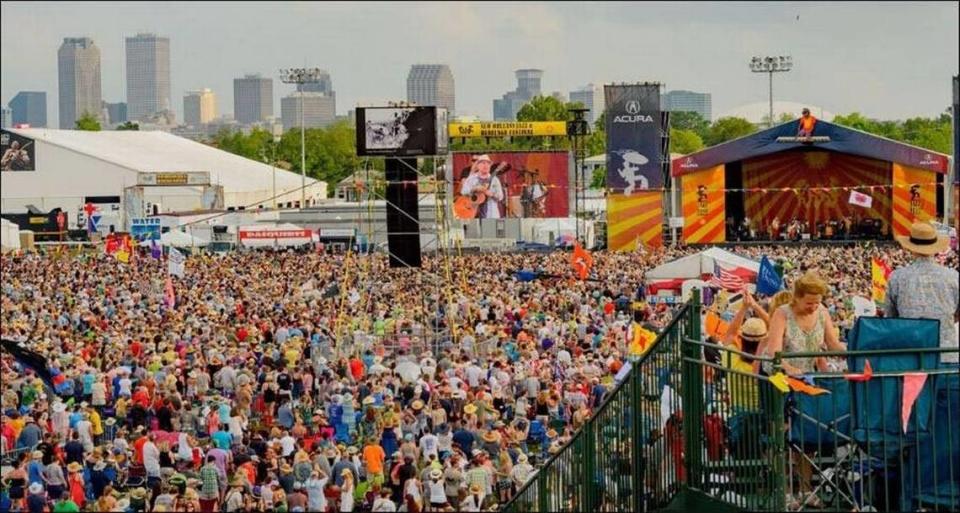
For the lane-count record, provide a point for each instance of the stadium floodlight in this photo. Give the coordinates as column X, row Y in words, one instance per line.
column 771, row 65
column 301, row 76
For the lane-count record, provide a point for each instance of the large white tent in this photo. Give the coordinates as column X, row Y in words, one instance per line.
column 695, row 266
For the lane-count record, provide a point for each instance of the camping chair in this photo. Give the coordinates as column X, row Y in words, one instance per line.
column 875, row 404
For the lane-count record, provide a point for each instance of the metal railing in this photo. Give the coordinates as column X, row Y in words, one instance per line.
column 696, row 418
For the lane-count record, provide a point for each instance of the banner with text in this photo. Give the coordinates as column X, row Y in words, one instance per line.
column 508, row 129
column 634, row 215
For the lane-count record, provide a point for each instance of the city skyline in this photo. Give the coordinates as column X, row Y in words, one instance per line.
column 847, row 57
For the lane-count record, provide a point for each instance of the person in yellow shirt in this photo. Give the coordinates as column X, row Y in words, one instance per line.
column 95, row 423
column 744, row 394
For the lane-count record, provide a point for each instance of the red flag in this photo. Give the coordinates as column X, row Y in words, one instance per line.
column 581, row 261
column 867, row 373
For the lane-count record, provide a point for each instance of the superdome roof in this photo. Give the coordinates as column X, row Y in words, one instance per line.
column 757, row 112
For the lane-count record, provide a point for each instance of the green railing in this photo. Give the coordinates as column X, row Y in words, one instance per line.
column 737, row 440
column 624, row 458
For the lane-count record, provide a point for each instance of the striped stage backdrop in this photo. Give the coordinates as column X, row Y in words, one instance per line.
column 704, row 206
column 812, row 169
column 914, row 197
column 633, row 219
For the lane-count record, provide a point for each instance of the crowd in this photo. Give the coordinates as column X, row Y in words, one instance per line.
column 305, row 382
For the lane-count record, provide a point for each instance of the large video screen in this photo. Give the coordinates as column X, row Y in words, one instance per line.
column 400, row 131
column 16, row 152
column 511, row 184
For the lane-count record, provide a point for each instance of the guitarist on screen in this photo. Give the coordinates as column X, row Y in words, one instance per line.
column 484, row 189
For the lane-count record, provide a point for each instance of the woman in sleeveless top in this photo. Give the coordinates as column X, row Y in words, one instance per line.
column 804, row 325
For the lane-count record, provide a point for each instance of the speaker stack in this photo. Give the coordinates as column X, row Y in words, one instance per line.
column 403, row 215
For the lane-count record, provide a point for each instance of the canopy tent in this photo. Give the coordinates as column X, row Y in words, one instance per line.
column 563, row 231
column 178, row 239
column 9, row 236
column 672, row 275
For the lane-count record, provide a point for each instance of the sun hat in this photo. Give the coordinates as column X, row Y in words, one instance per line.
column 753, row 328
column 417, row 405
column 490, row 436
column 470, row 409
column 74, row 467
column 475, row 488
column 37, row 455
column 522, row 458
column 923, row 240
column 138, row 493
column 35, row 488
column 436, row 473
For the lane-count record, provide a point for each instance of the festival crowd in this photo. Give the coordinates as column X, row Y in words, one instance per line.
column 297, row 381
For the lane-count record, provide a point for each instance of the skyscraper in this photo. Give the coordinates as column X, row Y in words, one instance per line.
column 30, row 107
column 319, row 110
column 78, row 63
column 323, row 85
column 528, row 86
column 199, row 107
column 148, row 76
column 252, row 98
column 591, row 96
column 117, row 112
column 431, row 84
column 689, row 101
column 6, row 117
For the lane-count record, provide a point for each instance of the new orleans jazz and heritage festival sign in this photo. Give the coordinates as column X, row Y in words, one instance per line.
column 508, row 129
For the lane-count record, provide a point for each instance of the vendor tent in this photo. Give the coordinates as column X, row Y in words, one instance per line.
column 283, row 234
column 695, row 266
column 178, row 239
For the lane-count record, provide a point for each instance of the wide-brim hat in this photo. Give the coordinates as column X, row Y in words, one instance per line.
column 522, row 458
column 470, row 409
column 35, row 488
column 368, row 400
column 417, row 405
column 352, row 450
column 490, row 436
column 74, row 467
column 475, row 488
column 924, row 240
column 138, row 493
column 753, row 329
column 436, row 473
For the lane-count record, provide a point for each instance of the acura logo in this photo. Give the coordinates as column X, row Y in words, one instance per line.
column 632, row 107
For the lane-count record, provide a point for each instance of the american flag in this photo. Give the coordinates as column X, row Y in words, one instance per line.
column 725, row 279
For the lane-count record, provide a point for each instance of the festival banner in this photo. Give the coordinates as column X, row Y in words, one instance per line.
column 176, row 263
column 634, row 215
column 826, row 179
column 525, row 184
column 704, row 206
column 879, row 273
column 914, row 197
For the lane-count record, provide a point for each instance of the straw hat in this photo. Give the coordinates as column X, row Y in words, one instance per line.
column 924, row 240
column 417, row 405
column 522, row 458
column 368, row 400
column 37, row 455
column 138, row 493
column 74, row 467
column 551, row 433
column 490, row 437
column 286, row 468
column 352, row 450
column 110, row 422
column 753, row 328
column 475, row 488
column 123, row 504
column 436, row 473
column 470, row 409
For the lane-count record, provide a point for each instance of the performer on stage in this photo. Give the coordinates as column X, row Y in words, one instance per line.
column 806, row 125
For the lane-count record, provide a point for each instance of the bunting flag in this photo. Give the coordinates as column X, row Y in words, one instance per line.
column 640, row 340
column 780, row 382
column 880, row 273
column 581, row 261
column 798, row 385
column 865, row 376
column 169, row 298
column 912, row 385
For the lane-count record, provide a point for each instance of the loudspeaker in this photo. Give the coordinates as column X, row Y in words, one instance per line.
column 403, row 216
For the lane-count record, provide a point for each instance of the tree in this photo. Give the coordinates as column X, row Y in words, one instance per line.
column 930, row 133
column 88, row 122
column 691, row 121
column 598, row 180
column 727, row 129
column 129, row 125
column 684, row 141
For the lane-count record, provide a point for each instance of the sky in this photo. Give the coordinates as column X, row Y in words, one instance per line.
column 885, row 60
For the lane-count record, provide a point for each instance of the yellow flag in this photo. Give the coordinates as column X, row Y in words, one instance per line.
column 123, row 256
column 879, row 272
column 779, row 380
column 641, row 340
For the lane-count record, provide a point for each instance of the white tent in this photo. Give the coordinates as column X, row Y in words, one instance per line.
column 178, row 239
column 562, row 229
column 9, row 235
column 694, row 266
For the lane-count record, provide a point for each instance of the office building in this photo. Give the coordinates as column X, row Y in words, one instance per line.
column 319, row 110
column 148, row 76
column 689, row 101
column 116, row 112
column 252, row 98
column 323, row 85
column 591, row 96
column 78, row 69
column 29, row 107
column 199, row 107
column 528, row 86
column 431, row 84
column 6, row 117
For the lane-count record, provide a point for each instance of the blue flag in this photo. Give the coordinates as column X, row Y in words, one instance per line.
column 155, row 250
column 768, row 281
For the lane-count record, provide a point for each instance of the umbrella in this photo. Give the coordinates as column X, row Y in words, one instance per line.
column 408, row 371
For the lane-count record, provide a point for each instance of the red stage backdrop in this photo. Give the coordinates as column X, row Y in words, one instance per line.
column 543, row 174
column 812, row 169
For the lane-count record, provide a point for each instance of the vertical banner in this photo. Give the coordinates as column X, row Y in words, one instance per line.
column 634, row 171
column 914, row 197
column 704, row 204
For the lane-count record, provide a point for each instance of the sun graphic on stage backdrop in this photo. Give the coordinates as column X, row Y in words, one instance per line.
column 816, row 159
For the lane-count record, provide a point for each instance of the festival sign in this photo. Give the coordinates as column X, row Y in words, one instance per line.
column 274, row 234
column 174, row 179
column 914, row 197
column 508, row 129
column 704, row 206
column 634, row 171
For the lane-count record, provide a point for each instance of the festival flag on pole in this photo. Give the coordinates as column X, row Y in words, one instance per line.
column 860, row 199
column 169, row 299
column 581, row 261
column 768, row 281
column 640, row 340
column 880, row 272
column 155, row 250
column 175, row 262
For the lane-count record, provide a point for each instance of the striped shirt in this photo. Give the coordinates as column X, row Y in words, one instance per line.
column 209, row 482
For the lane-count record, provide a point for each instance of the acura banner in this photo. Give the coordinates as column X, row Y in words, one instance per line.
column 633, row 137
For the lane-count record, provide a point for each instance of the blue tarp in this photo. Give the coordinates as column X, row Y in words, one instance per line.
column 842, row 140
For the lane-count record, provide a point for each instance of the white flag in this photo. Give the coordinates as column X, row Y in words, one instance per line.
column 175, row 262
column 861, row 199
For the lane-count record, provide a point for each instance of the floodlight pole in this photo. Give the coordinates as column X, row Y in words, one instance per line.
column 771, row 65
column 301, row 76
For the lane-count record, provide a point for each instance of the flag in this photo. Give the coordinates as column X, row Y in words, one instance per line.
column 860, row 199
column 912, row 385
column 865, row 376
column 30, row 359
column 581, row 261
column 880, row 272
column 725, row 279
column 169, row 298
column 768, row 281
column 175, row 262
column 155, row 250
column 780, row 382
column 798, row 385
column 640, row 340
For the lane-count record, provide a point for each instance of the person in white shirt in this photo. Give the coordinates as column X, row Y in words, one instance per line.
column 288, row 444
column 482, row 181
column 434, row 490
column 151, row 457
column 429, row 445
column 383, row 502
column 85, row 429
column 474, row 500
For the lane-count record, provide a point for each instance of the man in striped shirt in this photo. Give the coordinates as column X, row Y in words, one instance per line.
column 209, row 486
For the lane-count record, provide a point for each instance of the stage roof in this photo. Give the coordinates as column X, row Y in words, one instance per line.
column 842, row 139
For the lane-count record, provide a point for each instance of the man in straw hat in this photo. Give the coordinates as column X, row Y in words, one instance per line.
column 925, row 289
